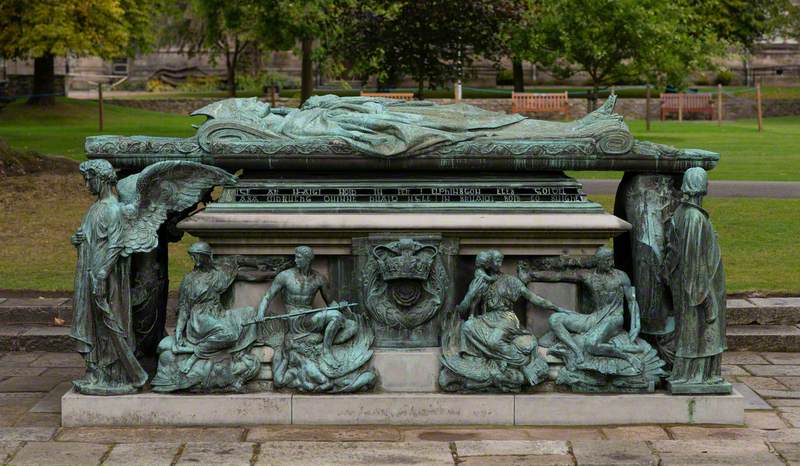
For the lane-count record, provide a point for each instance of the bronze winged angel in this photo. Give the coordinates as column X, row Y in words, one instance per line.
column 123, row 221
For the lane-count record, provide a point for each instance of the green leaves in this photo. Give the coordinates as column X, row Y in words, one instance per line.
column 616, row 41
column 432, row 41
column 107, row 28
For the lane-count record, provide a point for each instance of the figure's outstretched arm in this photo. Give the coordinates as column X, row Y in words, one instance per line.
column 553, row 276
column 277, row 286
column 538, row 301
column 527, row 275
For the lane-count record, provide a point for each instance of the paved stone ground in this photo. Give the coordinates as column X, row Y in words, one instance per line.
column 31, row 385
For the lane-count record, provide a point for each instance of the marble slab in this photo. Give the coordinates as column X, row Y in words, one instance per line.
column 155, row 409
column 546, row 409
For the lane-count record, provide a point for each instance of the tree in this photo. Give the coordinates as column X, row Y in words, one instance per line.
column 621, row 40
column 44, row 29
column 742, row 23
column 522, row 41
column 230, row 31
column 432, row 41
column 223, row 28
column 285, row 22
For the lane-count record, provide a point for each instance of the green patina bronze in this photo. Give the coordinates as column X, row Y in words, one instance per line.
column 599, row 354
column 210, row 350
column 360, row 133
column 113, row 230
column 323, row 351
column 490, row 351
column 647, row 201
column 697, row 280
column 404, row 286
column 369, row 155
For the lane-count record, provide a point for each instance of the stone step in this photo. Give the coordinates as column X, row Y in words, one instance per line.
column 776, row 338
column 45, row 311
column 764, row 311
column 16, row 337
column 35, row 310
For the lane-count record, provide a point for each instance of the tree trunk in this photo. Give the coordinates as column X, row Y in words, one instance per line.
column 230, row 70
column 307, row 71
column 44, row 81
column 746, row 67
column 519, row 77
column 231, row 80
column 420, row 88
column 592, row 98
column 647, row 108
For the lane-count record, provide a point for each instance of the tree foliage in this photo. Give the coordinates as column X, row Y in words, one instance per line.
column 288, row 22
column 432, row 41
column 43, row 29
column 745, row 22
column 615, row 41
column 228, row 29
column 31, row 29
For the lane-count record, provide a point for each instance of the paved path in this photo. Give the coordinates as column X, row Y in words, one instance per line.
column 774, row 189
column 31, row 384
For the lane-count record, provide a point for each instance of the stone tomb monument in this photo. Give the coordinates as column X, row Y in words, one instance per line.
column 384, row 262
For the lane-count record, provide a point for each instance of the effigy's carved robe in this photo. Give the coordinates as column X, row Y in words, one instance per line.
column 387, row 128
column 694, row 265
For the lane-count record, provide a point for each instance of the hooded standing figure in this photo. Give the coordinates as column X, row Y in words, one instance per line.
column 697, row 281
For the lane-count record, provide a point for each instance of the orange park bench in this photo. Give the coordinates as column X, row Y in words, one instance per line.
column 683, row 104
column 538, row 103
column 389, row 95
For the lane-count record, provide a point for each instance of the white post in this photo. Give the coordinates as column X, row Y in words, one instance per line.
column 458, row 90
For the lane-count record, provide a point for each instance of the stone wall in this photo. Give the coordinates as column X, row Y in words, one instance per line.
column 22, row 85
column 183, row 106
column 632, row 109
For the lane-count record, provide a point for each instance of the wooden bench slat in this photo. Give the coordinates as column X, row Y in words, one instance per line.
column 532, row 102
column 389, row 95
column 687, row 103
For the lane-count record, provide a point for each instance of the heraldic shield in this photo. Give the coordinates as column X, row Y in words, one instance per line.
column 404, row 283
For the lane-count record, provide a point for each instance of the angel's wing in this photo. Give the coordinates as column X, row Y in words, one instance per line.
column 161, row 189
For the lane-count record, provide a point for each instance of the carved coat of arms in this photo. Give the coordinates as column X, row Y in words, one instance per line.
column 404, row 283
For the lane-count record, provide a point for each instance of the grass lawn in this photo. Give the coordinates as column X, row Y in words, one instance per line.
column 758, row 241
column 39, row 213
column 746, row 154
column 62, row 129
column 773, row 154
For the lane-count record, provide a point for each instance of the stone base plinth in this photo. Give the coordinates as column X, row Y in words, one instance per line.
column 699, row 388
column 407, row 370
column 155, row 409
column 550, row 409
